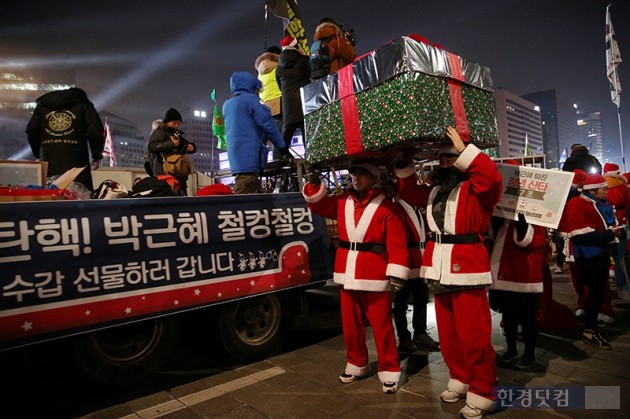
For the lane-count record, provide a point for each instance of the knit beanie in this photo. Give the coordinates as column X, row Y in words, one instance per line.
column 172, row 115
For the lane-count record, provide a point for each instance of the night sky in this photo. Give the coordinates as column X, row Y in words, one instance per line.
column 138, row 58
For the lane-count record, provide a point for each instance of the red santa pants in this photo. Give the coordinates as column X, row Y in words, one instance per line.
column 356, row 306
column 464, row 328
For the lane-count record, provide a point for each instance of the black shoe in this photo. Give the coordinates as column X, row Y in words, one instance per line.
column 526, row 361
column 508, row 357
column 594, row 338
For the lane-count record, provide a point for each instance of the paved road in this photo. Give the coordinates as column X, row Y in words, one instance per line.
column 302, row 381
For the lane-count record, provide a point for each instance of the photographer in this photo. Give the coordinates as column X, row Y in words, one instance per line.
column 168, row 139
column 340, row 43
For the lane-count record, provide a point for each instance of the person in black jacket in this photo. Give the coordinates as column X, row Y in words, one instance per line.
column 63, row 126
column 581, row 159
column 292, row 73
column 168, row 139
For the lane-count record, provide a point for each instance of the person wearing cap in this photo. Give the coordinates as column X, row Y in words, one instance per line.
column 618, row 197
column 606, row 311
column 292, row 73
column 590, row 223
column 248, row 126
column 459, row 203
column 371, row 260
column 168, row 139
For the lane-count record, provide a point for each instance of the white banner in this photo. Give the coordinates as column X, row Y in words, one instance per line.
column 539, row 194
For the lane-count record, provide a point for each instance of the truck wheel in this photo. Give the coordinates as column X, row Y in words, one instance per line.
column 125, row 355
column 254, row 328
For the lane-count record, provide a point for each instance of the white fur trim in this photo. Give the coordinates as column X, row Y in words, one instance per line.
column 322, row 192
column 529, row 236
column 389, row 376
column 535, row 287
column 398, row 271
column 358, row 371
column 479, row 402
column 357, row 233
column 457, row 386
column 466, row 157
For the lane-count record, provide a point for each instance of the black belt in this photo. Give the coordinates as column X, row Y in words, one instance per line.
column 362, row 247
column 454, row 238
column 415, row 245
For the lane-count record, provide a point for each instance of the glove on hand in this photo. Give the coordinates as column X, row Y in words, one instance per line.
column 521, row 225
column 396, row 284
column 312, row 174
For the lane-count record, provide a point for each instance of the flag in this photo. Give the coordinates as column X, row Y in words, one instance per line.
column 218, row 127
column 527, row 150
column 613, row 60
column 108, row 149
column 288, row 11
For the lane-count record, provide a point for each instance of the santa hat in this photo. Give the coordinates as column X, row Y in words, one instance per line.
column 288, row 41
column 594, row 181
column 578, row 178
column 365, row 167
column 611, row 168
column 513, row 162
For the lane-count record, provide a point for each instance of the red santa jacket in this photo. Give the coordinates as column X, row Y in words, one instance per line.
column 468, row 210
column 372, row 219
column 516, row 262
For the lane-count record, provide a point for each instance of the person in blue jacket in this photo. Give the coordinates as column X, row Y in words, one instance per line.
column 248, row 124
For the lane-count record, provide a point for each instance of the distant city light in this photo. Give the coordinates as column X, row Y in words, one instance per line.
column 537, row 108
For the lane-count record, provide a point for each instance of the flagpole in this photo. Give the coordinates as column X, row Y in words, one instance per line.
column 623, row 156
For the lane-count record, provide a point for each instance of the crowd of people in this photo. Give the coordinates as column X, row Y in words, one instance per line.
column 470, row 261
column 406, row 240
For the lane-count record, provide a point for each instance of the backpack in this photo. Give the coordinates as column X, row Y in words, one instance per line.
column 177, row 165
column 319, row 62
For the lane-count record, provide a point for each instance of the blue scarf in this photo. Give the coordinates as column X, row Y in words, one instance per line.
column 604, row 207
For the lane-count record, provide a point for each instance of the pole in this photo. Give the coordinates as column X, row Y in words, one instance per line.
column 266, row 10
column 623, row 156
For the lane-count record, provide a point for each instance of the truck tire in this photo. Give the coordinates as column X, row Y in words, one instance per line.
column 125, row 355
column 254, row 328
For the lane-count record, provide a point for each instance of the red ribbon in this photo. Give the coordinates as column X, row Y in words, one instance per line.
column 349, row 111
column 457, row 100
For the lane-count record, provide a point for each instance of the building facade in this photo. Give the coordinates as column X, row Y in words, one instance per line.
column 18, row 91
column 519, row 125
column 559, row 123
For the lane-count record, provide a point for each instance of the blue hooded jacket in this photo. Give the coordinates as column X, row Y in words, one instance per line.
column 248, row 124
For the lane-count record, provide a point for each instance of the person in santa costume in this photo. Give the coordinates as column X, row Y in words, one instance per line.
column 618, row 197
column 590, row 223
column 518, row 254
column 415, row 286
column 466, row 188
column 606, row 311
column 371, row 260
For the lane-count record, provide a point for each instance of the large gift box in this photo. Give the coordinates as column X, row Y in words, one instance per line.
column 397, row 99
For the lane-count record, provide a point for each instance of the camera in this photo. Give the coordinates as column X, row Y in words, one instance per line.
column 349, row 34
column 183, row 142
